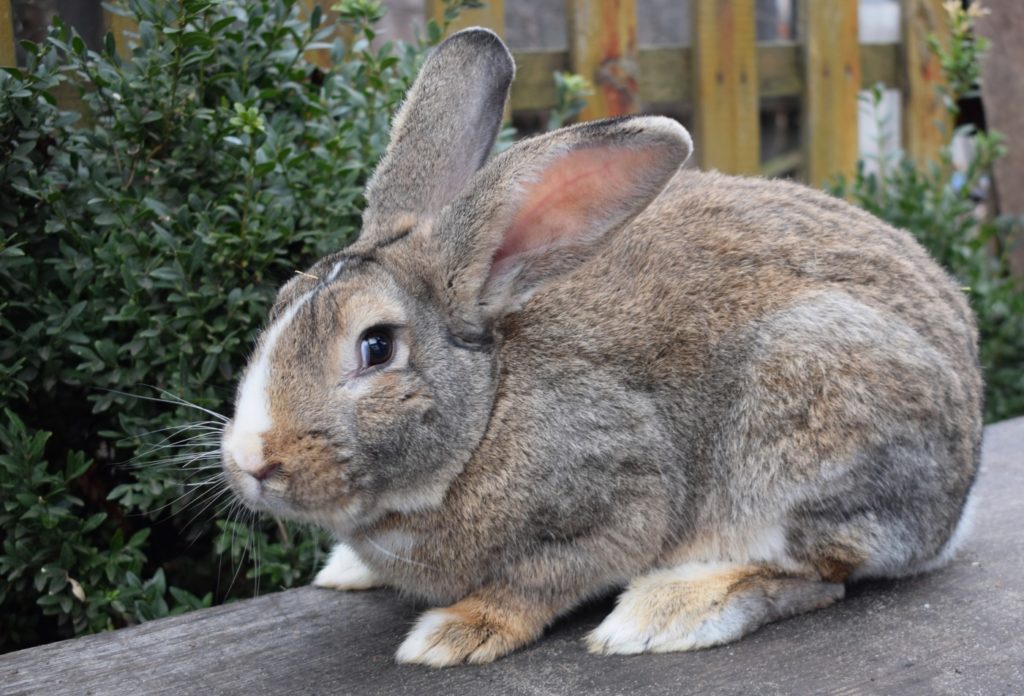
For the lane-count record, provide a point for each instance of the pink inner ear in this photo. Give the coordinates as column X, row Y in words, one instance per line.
column 572, row 198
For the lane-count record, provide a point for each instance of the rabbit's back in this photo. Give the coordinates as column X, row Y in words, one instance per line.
column 812, row 363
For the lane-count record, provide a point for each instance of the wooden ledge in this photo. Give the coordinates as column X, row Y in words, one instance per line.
column 956, row 631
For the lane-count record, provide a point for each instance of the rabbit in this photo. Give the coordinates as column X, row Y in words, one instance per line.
column 576, row 368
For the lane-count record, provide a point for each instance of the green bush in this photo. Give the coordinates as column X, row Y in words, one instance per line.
column 937, row 204
column 140, row 246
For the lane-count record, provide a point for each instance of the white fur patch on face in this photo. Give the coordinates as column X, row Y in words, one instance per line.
column 335, row 271
column 423, row 645
column 344, row 571
column 252, row 412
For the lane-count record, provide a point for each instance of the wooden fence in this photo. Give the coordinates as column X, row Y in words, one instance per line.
column 723, row 75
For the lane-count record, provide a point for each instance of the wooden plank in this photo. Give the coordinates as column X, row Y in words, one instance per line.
column 780, row 70
column 321, row 57
column 491, row 16
column 881, row 63
column 8, row 56
column 602, row 48
column 1002, row 93
column 118, row 25
column 926, row 125
column 832, row 74
column 663, row 73
column 727, row 127
column 534, row 86
column 953, row 631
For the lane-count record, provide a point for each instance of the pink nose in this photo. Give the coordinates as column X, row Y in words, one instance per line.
column 266, row 471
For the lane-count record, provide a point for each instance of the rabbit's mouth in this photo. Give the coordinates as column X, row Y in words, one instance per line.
column 289, row 476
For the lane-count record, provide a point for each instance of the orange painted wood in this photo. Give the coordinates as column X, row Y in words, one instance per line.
column 7, row 54
column 832, row 86
column 725, row 102
column 926, row 124
column 602, row 48
column 491, row 16
column 321, row 57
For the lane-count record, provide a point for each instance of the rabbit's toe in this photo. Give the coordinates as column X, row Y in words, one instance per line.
column 344, row 570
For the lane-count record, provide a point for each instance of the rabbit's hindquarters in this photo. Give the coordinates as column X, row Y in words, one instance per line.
column 698, row 605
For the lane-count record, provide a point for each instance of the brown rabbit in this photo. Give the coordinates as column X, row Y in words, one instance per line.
column 577, row 368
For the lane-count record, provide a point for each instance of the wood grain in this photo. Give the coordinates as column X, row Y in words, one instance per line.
column 491, row 15
column 1002, row 92
column 725, row 106
column 321, row 57
column 665, row 73
column 8, row 57
column 926, row 125
column 602, row 48
column 832, row 75
column 954, row 631
column 118, row 25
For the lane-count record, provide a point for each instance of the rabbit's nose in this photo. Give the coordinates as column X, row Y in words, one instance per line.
column 246, row 449
column 266, row 471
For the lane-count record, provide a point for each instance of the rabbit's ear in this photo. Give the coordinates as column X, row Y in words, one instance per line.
column 543, row 207
column 444, row 131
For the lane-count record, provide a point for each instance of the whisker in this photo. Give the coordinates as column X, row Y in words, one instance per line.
column 173, row 400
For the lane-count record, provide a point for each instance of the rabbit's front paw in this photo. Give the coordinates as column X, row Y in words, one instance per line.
column 473, row 630
column 697, row 605
column 442, row 638
column 344, row 571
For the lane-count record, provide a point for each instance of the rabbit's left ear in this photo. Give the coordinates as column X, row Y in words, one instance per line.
column 444, row 131
column 545, row 206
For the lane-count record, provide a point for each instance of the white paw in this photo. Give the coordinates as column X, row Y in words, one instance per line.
column 344, row 570
column 629, row 630
column 668, row 611
column 423, row 645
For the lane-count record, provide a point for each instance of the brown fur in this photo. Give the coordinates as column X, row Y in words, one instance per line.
column 664, row 368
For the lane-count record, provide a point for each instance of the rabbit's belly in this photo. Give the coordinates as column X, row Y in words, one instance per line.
column 762, row 541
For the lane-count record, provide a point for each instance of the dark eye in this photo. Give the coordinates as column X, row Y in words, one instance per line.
column 377, row 346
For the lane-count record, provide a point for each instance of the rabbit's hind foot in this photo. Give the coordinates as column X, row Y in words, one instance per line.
column 698, row 605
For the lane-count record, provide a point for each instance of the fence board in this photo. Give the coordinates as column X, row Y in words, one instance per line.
column 725, row 77
column 780, row 73
column 118, row 25
column 926, row 125
column 321, row 57
column 7, row 54
column 833, row 79
column 491, row 15
column 602, row 48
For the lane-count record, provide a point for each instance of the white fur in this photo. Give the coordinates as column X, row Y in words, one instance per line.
column 252, row 413
column 637, row 625
column 422, row 647
column 764, row 542
column 344, row 570
column 960, row 533
column 768, row 545
column 335, row 271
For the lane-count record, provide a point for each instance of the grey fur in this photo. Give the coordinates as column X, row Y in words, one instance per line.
column 727, row 358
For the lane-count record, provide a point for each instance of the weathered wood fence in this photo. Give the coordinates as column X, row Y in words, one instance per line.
column 723, row 75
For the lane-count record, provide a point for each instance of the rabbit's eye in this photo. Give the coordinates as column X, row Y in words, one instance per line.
column 377, row 346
